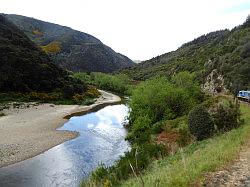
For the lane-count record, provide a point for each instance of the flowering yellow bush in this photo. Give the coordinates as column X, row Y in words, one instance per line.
column 42, row 96
column 37, row 33
column 78, row 97
column 92, row 92
column 53, row 47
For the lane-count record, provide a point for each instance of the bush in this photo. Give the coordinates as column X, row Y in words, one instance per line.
column 152, row 103
column 92, row 92
column 138, row 157
column 226, row 116
column 245, row 52
column 160, row 100
column 44, row 97
column 180, row 125
column 140, row 131
column 78, row 97
column 100, row 174
column 53, row 47
column 118, row 83
column 200, row 123
column 157, row 127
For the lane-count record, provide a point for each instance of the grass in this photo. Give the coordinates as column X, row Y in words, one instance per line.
column 2, row 114
column 189, row 165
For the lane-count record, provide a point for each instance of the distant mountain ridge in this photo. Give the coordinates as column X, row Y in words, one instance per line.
column 70, row 49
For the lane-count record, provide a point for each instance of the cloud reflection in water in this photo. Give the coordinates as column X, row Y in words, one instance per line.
column 101, row 140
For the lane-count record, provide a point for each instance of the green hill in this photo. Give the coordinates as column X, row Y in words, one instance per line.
column 25, row 68
column 221, row 60
column 70, row 49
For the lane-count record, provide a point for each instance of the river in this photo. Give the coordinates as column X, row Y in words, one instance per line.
column 101, row 140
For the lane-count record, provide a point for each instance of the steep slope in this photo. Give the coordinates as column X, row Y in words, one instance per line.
column 24, row 67
column 70, row 49
column 220, row 59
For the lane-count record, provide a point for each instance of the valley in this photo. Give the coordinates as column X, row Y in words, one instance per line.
column 73, row 112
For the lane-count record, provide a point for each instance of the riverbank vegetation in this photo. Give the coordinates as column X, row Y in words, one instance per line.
column 118, row 83
column 169, row 117
column 178, row 133
column 18, row 99
column 188, row 166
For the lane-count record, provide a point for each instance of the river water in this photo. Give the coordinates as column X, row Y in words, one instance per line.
column 101, row 140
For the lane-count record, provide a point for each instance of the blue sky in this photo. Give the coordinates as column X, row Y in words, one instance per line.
column 140, row 29
column 242, row 6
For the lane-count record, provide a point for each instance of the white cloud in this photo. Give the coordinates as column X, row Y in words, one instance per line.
column 139, row 29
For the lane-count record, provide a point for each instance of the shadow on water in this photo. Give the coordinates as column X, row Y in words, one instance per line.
column 101, row 140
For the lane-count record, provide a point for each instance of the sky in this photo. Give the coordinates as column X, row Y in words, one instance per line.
column 139, row 29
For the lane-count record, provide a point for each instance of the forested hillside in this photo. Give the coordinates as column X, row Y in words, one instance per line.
column 221, row 60
column 25, row 68
column 70, row 49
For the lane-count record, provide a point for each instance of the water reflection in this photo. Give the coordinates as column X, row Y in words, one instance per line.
column 101, row 140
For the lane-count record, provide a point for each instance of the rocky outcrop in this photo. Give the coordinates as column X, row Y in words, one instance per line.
column 214, row 83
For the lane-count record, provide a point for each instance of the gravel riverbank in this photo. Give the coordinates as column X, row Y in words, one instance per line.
column 30, row 131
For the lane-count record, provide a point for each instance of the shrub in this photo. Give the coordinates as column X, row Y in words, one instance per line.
column 160, row 100
column 245, row 52
column 138, row 157
column 118, row 83
column 69, row 91
column 37, row 33
column 53, row 47
column 157, row 127
column 92, row 92
column 226, row 116
column 200, row 123
column 175, row 133
column 185, row 137
column 140, row 131
column 100, row 174
column 45, row 97
column 78, row 97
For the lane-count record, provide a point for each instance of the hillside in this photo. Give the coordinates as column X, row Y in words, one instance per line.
column 25, row 68
column 221, row 60
column 70, row 49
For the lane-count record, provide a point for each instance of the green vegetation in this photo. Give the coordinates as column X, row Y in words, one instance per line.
column 219, row 115
column 159, row 129
column 117, row 83
column 225, row 51
column 24, row 68
column 156, row 105
column 86, row 98
column 226, row 115
column 176, row 132
column 200, row 123
column 26, row 72
column 159, row 99
column 189, row 164
column 2, row 114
